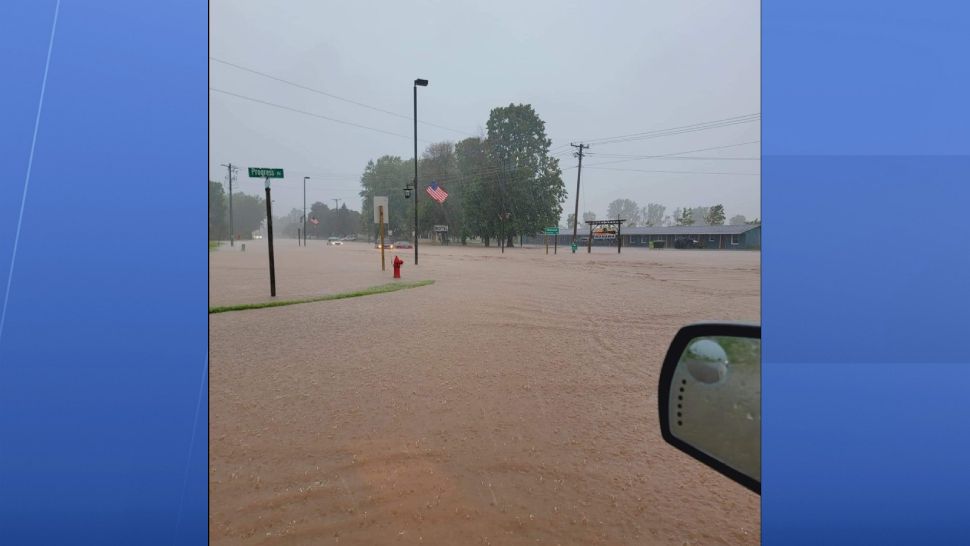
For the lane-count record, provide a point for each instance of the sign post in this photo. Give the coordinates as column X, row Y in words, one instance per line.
column 255, row 172
column 269, row 236
column 555, row 232
column 442, row 233
column 381, row 216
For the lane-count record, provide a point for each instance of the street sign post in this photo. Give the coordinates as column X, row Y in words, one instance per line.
column 260, row 172
column 555, row 232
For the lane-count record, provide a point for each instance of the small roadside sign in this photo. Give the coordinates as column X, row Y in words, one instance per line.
column 441, row 229
column 552, row 231
column 259, row 172
column 381, row 201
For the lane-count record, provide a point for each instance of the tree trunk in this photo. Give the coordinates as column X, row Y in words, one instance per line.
column 508, row 244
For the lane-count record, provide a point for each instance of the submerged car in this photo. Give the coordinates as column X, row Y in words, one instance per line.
column 686, row 242
column 387, row 246
column 402, row 244
column 334, row 241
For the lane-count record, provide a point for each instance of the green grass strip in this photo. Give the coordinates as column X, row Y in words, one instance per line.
column 384, row 288
column 214, row 245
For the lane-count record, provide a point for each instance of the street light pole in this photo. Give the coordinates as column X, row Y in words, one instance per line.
column 422, row 83
column 305, row 178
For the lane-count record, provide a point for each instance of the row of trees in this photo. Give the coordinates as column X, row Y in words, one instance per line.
column 322, row 221
column 654, row 214
column 502, row 185
column 249, row 213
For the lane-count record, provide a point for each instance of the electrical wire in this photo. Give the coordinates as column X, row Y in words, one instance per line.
column 330, row 95
column 703, row 126
column 673, row 172
column 676, row 155
column 304, row 112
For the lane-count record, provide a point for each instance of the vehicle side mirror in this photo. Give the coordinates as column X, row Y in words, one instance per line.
column 710, row 398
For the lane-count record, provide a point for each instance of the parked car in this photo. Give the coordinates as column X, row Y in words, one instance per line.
column 402, row 244
column 686, row 242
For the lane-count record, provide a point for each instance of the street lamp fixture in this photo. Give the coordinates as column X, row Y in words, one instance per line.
column 407, row 192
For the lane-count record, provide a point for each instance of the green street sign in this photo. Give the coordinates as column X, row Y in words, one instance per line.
column 552, row 231
column 256, row 172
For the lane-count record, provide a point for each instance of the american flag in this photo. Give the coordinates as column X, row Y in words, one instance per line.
column 437, row 192
column 314, row 221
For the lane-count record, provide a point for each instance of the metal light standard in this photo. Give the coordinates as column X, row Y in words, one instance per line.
column 305, row 178
column 422, row 83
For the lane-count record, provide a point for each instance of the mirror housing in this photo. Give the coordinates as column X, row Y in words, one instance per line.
column 710, row 398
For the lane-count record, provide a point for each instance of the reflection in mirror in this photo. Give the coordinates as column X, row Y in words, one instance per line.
column 715, row 400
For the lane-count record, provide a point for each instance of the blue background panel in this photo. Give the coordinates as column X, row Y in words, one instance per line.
column 103, row 353
column 866, row 178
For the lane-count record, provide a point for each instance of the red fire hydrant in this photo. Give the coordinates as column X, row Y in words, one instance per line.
column 398, row 262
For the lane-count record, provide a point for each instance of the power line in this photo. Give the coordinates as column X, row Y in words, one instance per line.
column 324, row 93
column 676, row 155
column 698, row 157
column 304, row 112
column 749, row 118
column 672, row 172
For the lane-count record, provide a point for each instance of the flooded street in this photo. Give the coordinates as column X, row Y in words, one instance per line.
column 511, row 402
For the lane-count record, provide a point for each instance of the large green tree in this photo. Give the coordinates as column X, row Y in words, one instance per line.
column 684, row 217
column 440, row 164
column 480, row 199
column 527, row 179
column 387, row 177
column 715, row 216
column 248, row 214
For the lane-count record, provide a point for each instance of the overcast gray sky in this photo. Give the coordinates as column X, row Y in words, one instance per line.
column 590, row 69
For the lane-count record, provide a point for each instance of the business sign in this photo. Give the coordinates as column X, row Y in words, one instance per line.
column 258, row 172
column 381, row 202
column 604, row 234
column 440, row 229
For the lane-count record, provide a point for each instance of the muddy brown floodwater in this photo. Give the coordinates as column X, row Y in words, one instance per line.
column 511, row 402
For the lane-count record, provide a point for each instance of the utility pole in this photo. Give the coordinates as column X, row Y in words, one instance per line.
column 337, row 214
column 579, row 172
column 231, row 169
column 305, row 178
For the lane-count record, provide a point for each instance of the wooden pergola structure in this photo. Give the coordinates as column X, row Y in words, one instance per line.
column 619, row 240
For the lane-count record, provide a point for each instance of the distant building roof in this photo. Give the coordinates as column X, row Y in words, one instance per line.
column 687, row 230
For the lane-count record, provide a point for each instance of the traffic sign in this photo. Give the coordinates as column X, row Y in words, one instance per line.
column 552, row 231
column 380, row 202
column 258, row 172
